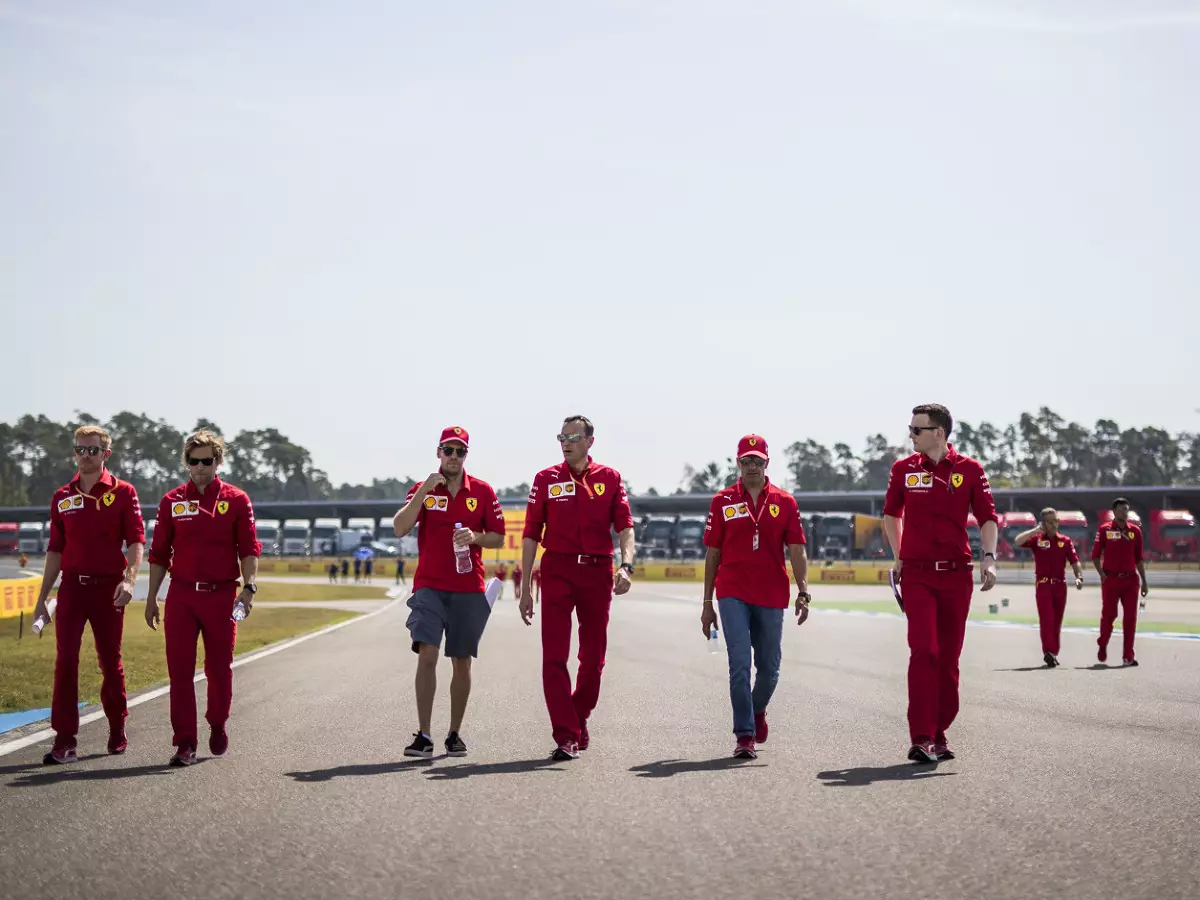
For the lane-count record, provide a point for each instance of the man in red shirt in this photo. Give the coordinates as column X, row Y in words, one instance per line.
column 516, row 579
column 205, row 537
column 572, row 511
column 90, row 519
column 501, row 576
column 1051, row 553
column 750, row 525
column 454, row 511
column 925, row 519
column 1117, row 556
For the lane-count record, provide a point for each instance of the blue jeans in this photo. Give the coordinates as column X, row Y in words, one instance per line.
column 751, row 628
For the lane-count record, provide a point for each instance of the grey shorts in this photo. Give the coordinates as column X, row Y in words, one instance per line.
column 461, row 616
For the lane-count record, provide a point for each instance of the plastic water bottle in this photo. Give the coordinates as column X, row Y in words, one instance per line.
column 714, row 642
column 462, row 555
column 42, row 621
column 239, row 611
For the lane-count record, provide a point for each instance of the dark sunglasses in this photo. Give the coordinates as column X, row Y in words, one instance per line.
column 460, row 452
column 751, row 461
column 193, row 461
column 915, row 430
column 88, row 451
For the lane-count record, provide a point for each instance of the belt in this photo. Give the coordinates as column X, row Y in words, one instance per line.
column 1051, row 581
column 93, row 579
column 1120, row 574
column 206, row 585
column 587, row 559
column 941, row 565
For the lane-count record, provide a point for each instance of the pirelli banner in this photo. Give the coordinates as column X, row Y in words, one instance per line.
column 18, row 595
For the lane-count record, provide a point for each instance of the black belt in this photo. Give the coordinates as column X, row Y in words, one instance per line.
column 586, row 559
column 93, row 579
column 941, row 565
column 1120, row 574
column 206, row 585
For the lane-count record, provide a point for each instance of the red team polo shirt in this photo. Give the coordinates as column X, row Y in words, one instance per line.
column 204, row 537
column 758, row 577
column 476, row 506
column 934, row 501
column 88, row 529
column 1051, row 555
column 577, row 514
column 1119, row 549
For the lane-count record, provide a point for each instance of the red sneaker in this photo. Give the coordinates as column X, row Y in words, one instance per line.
column 941, row 749
column 760, row 727
column 60, row 756
column 1103, row 654
column 923, row 752
column 745, row 748
column 564, row 751
column 218, row 741
column 117, row 743
column 584, row 738
column 184, row 756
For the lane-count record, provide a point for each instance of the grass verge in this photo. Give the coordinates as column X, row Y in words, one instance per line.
column 1080, row 622
column 27, row 665
column 288, row 592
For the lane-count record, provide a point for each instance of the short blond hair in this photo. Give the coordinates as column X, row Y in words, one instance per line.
column 94, row 431
column 204, row 438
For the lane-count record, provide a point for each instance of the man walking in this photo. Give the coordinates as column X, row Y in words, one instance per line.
column 458, row 516
column 1051, row 553
column 1117, row 556
column 750, row 527
column 925, row 519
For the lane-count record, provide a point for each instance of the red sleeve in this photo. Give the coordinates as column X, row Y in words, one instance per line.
column 714, row 528
column 795, row 528
column 248, row 543
column 1072, row 553
column 58, row 535
column 622, row 518
column 535, row 509
column 1137, row 545
column 494, row 523
column 412, row 491
column 1098, row 544
column 164, row 536
column 893, row 501
column 1028, row 542
column 983, row 505
column 133, row 529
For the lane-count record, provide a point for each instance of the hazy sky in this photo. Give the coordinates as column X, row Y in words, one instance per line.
column 687, row 220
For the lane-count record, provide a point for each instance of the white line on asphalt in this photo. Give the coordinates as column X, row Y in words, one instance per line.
column 46, row 733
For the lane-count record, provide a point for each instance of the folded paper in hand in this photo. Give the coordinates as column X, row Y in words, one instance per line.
column 492, row 591
column 896, row 588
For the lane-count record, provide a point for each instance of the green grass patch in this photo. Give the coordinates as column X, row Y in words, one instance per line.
column 286, row 592
column 27, row 665
column 879, row 606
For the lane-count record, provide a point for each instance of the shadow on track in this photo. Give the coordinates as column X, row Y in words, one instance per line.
column 867, row 775
column 665, row 768
column 1099, row 667
column 515, row 767
column 386, row 768
column 1042, row 668
column 58, row 774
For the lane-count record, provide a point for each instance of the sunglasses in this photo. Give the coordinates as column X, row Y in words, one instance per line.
column 194, row 461
column 88, row 451
column 751, row 461
column 460, row 452
column 915, row 430
column 570, row 438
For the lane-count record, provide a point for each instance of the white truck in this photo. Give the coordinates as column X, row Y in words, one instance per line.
column 268, row 534
column 296, row 537
column 31, row 537
column 324, row 536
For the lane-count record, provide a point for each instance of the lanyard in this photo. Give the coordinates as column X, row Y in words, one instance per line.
column 750, row 511
column 583, row 483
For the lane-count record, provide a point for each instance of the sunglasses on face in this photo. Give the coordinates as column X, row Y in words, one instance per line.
column 570, row 438
column 195, row 461
column 751, row 461
column 915, row 430
column 88, row 451
column 460, row 452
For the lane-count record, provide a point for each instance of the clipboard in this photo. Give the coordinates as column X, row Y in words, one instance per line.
column 895, row 582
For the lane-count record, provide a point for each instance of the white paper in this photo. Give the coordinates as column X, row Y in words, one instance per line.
column 492, row 591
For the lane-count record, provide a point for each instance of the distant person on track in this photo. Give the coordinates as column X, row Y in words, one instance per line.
column 1117, row 556
column 368, row 567
column 444, row 600
column 572, row 510
column 1051, row 553
column 90, row 518
column 535, row 578
column 357, row 570
column 345, row 571
column 501, row 571
column 752, row 528
column 516, row 580
column 400, row 579
column 206, row 538
column 925, row 512
column 333, row 573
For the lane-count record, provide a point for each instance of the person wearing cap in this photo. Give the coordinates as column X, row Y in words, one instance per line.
column 929, row 496
column 572, row 511
column 501, row 573
column 90, row 518
column 1051, row 553
column 205, row 537
column 1117, row 556
column 753, row 527
column 453, row 510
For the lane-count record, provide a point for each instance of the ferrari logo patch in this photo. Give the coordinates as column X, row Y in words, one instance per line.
column 599, row 490
column 222, row 506
column 774, row 509
column 956, row 479
column 472, row 503
column 753, row 441
column 1130, row 535
column 109, row 498
column 1060, row 545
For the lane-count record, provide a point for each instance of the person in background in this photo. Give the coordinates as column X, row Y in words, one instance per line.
column 333, row 573
column 1117, row 556
column 1051, row 553
column 516, row 580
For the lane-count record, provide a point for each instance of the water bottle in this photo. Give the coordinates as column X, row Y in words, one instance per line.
column 714, row 643
column 239, row 611
column 462, row 555
column 43, row 620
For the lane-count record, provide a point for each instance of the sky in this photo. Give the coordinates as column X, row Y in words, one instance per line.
column 361, row 222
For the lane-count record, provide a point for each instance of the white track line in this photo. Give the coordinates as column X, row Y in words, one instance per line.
column 47, row 733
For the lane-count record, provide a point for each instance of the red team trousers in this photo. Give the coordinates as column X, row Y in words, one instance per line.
column 586, row 590
column 79, row 605
column 191, row 614
column 1123, row 589
column 1051, row 606
column 936, row 605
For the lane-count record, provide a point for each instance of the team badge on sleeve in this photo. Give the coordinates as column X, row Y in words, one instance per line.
column 222, row 506
column 472, row 503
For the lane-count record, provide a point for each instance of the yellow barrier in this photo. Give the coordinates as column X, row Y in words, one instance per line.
column 18, row 595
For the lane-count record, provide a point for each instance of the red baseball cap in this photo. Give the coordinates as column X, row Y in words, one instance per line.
column 454, row 433
column 752, row 445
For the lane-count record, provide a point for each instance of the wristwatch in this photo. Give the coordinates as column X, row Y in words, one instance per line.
column 989, row 553
column 251, row 587
column 805, row 594
column 628, row 567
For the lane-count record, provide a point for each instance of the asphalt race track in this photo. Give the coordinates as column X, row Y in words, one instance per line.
column 1074, row 783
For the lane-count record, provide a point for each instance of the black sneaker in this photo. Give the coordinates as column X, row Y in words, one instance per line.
column 421, row 746
column 455, row 745
column 1129, row 662
column 564, row 751
column 1050, row 659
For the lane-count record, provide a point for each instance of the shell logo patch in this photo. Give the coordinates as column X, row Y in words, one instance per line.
column 1113, row 535
column 184, row 510
column 599, row 489
column 430, row 502
column 956, row 479
column 730, row 512
column 472, row 504
column 109, row 498
column 774, row 510
column 736, row 511
column 561, row 490
column 222, row 506
column 919, row 480
column 555, row 490
column 1043, row 543
column 64, row 504
column 178, row 509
